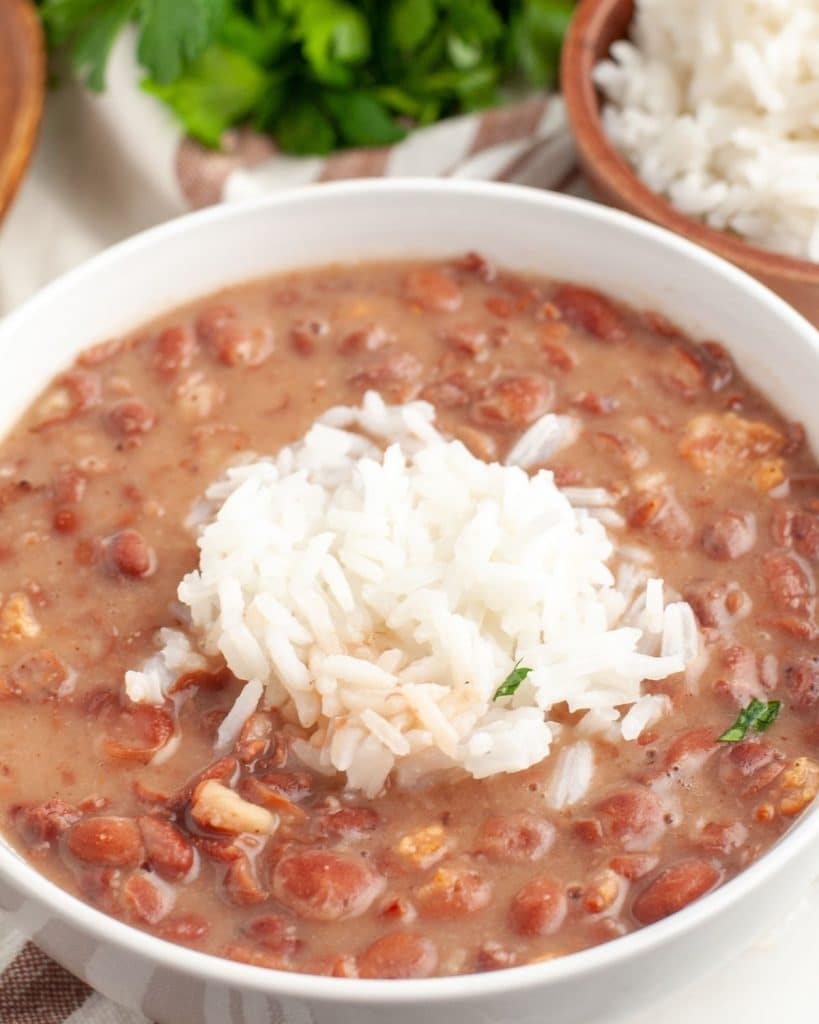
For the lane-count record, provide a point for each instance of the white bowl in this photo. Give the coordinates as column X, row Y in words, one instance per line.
column 526, row 230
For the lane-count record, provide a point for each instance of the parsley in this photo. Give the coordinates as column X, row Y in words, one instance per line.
column 317, row 74
column 512, row 682
column 759, row 715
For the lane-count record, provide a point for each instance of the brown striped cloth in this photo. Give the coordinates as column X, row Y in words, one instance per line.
column 526, row 142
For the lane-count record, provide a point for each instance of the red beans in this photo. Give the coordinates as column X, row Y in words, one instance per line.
column 167, row 850
column 106, row 842
column 243, row 345
column 716, row 603
column 790, row 588
column 347, row 823
column 241, row 885
column 41, row 675
column 468, row 339
column 721, row 838
column 748, row 767
column 806, row 535
column 513, row 402
column 40, row 825
column 398, row 955
column 539, row 908
column 322, row 886
column 674, row 889
column 432, row 290
column 802, row 681
column 515, row 838
column 453, row 892
column 174, row 349
column 690, row 749
column 129, row 554
column 634, row 817
column 664, row 517
column 233, row 342
column 395, row 368
column 592, row 312
column 731, row 535
column 274, row 932
column 130, row 417
column 189, row 929
column 68, row 486
column 143, row 899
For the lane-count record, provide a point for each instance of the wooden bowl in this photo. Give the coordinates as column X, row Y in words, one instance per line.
column 595, row 26
column 22, row 88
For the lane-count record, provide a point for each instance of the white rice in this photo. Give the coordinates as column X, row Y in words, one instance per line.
column 716, row 105
column 378, row 583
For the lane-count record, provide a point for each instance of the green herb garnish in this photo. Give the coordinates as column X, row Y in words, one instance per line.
column 759, row 715
column 512, row 682
column 318, row 75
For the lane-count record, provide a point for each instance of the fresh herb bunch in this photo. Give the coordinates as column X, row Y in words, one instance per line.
column 318, row 74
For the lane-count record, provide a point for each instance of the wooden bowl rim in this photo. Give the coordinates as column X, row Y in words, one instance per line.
column 14, row 158
column 615, row 173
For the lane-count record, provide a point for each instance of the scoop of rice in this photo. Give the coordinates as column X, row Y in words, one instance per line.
column 379, row 583
column 716, row 105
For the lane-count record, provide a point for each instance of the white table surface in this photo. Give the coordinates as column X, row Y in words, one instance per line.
column 80, row 196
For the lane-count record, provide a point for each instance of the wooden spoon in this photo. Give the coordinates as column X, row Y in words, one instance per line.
column 22, row 88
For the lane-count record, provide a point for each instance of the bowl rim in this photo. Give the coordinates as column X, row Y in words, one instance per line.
column 604, row 162
column 16, row 155
column 25, row 880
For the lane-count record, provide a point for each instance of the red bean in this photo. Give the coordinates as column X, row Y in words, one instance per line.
column 634, row 817
column 633, row 866
column 243, row 344
column 396, row 368
column 453, row 892
column 347, row 823
column 683, row 371
column 513, row 402
column 468, row 339
column 494, row 957
column 715, row 603
column 731, row 535
column 174, row 349
column 690, row 750
column 663, row 516
column 515, row 838
column 788, row 583
column 365, row 339
column 741, row 681
column 189, row 929
column 130, row 417
column 432, row 290
column 674, row 889
column 167, row 850
column 749, row 766
column 591, row 311
column 130, row 554
column 143, row 899
column 476, row 263
column 68, row 486
column 802, row 681
column 213, row 319
column 450, row 392
column 40, row 825
column 398, row 955
column 722, row 837
column 539, row 908
column 106, row 842
column 40, row 675
column 241, row 885
column 319, row 885
column 274, row 932
column 137, row 733
column 806, row 535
